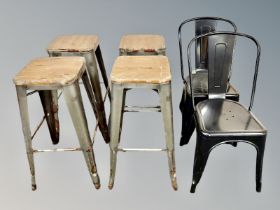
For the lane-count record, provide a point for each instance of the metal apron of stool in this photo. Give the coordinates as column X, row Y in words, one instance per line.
column 88, row 47
column 123, row 78
column 200, row 74
column 52, row 74
column 142, row 44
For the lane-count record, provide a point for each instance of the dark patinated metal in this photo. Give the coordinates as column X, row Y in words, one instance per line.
column 220, row 120
column 200, row 74
column 100, row 61
column 50, row 107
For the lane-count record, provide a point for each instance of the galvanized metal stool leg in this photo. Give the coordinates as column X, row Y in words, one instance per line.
column 49, row 102
column 102, row 70
column 117, row 104
column 75, row 105
column 94, row 78
column 23, row 107
column 166, row 108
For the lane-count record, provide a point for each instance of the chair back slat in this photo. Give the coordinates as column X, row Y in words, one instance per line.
column 220, row 50
column 202, row 27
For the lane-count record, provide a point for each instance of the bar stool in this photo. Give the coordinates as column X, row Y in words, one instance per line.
column 151, row 72
column 52, row 74
column 142, row 44
column 88, row 47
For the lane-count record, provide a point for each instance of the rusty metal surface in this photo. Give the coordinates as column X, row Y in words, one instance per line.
column 102, row 68
column 50, row 106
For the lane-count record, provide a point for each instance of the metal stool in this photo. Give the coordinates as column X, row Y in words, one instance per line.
column 88, row 47
column 52, row 74
column 139, row 44
column 151, row 72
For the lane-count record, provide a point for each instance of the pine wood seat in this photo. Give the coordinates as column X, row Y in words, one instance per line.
column 74, row 43
column 139, row 43
column 86, row 46
column 51, row 71
column 141, row 69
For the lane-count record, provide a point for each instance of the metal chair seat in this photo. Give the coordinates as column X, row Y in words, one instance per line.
column 200, row 85
column 227, row 117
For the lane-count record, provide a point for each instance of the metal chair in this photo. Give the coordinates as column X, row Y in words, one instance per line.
column 52, row 74
column 200, row 74
column 220, row 120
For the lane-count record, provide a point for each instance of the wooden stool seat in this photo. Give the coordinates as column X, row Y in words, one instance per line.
column 142, row 43
column 74, row 43
column 46, row 76
column 86, row 46
column 141, row 69
column 51, row 71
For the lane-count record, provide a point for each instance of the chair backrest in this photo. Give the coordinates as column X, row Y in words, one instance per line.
column 203, row 25
column 220, row 49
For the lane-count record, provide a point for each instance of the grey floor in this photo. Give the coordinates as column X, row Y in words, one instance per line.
column 142, row 180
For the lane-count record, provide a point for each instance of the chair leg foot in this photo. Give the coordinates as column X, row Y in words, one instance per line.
column 234, row 144
column 174, row 182
column 97, row 185
column 95, row 180
column 34, row 187
column 174, row 179
column 193, row 188
column 259, row 187
column 33, row 183
column 111, row 184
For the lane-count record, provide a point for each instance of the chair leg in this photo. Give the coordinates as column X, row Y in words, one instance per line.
column 202, row 151
column 23, row 107
column 100, row 61
column 95, row 83
column 75, row 105
column 49, row 100
column 259, row 164
column 117, row 104
column 166, row 108
column 188, row 124
column 234, row 144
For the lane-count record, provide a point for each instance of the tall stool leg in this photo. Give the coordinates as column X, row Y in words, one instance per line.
column 94, row 78
column 75, row 105
column 23, row 107
column 103, row 70
column 49, row 100
column 115, row 128
column 166, row 108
